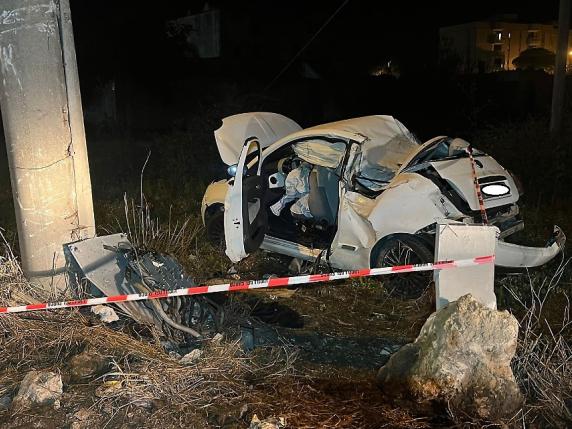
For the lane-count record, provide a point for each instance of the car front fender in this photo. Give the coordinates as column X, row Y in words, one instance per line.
column 410, row 203
column 214, row 194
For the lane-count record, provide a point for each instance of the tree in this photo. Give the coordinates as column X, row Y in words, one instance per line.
column 535, row 59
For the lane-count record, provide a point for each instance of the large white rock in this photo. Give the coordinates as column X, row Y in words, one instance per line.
column 39, row 388
column 461, row 358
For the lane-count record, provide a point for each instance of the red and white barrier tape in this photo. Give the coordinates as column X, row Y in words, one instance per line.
column 253, row 284
column 484, row 216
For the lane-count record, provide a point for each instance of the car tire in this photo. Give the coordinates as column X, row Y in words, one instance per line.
column 214, row 225
column 405, row 249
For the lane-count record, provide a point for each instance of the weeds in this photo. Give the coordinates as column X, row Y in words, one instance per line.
column 543, row 362
column 148, row 376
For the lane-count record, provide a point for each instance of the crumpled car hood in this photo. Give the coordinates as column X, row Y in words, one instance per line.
column 458, row 173
column 267, row 127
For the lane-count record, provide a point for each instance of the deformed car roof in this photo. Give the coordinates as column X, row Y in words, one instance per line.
column 386, row 143
column 274, row 129
column 379, row 129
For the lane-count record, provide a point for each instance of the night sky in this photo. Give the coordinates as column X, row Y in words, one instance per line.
column 129, row 36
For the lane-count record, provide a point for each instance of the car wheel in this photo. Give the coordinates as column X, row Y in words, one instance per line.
column 214, row 224
column 405, row 250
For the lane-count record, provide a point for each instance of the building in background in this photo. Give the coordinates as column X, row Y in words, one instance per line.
column 492, row 45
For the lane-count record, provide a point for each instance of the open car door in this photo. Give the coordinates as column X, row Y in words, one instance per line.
column 245, row 215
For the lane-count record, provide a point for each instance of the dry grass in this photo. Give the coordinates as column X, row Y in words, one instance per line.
column 150, row 379
column 149, row 233
column 345, row 400
column 11, row 275
column 543, row 362
column 148, row 376
column 154, row 389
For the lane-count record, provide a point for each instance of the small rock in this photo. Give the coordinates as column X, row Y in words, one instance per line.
column 191, row 357
column 217, row 338
column 39, row 388
column 269, row 423
column 83, row 414
column 173, row 354
column 87, row 365
column 81, row 419
column 106, row 314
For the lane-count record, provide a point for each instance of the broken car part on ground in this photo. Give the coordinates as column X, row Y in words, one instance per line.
column 112, row 266
column 356, row 193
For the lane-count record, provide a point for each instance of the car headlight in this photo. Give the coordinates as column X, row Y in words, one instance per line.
column 495, row 189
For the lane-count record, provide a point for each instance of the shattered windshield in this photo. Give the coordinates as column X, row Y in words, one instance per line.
column 380, row 162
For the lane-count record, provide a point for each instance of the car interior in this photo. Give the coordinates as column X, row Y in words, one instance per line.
column 317, row 231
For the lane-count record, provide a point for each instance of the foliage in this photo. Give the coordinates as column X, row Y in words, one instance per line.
column 535, row 59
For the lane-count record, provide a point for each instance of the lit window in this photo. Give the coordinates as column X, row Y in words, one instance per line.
column 534, row 38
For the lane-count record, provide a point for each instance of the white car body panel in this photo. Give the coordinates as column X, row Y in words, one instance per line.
column 233, row 211
column 381, row 130
column 354, row 239
column 513, row 255
column 409, row 204
column 216, row 195
column 455, row 172
column 289, row 248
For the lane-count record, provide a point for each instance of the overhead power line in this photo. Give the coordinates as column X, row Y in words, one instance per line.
column 308, row 43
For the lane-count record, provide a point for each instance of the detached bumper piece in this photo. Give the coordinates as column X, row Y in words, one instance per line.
column 515, row 256
column 109, row 265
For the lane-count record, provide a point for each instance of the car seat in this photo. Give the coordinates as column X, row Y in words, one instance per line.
column 323, row 197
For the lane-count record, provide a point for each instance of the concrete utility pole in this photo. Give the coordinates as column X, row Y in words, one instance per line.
column 559, row 85
column 45, row 138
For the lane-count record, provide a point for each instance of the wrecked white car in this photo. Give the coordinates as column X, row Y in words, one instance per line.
column 356, row 193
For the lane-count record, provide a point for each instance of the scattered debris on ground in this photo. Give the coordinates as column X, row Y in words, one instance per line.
column 106, row 314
